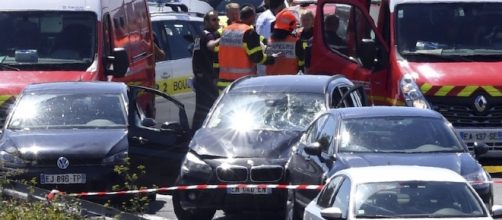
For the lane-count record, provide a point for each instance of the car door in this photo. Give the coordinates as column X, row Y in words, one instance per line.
column 310, row 169
column 359, row 53
column 157, row 140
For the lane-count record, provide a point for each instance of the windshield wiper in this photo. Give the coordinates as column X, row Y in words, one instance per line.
column 376, row 216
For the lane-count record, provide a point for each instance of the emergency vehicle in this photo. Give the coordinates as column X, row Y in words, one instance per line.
column 439, row 54
column 74, row 40
column 176, row 24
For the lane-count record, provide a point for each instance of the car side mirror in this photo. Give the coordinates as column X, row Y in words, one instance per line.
column 480, row 148
column 497, row 211
column 313, row 149
column 368, row 53
column 331, row 213
column 119, row 59
column 148, row 122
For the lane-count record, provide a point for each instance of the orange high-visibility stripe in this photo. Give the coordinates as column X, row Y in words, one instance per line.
column 232, row 56
column 288, row 62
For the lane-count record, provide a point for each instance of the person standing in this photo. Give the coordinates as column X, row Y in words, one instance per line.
column 204, row 59
column 240, row 49
column 283, row 41
column 306, row 35
column 264, row 22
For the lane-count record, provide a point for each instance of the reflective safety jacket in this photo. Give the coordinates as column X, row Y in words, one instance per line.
column 287, row 62
column 232, row 55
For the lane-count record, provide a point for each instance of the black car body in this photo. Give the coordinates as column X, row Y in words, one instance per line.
column 71, row 135
column 373, row 136
column 247, row 137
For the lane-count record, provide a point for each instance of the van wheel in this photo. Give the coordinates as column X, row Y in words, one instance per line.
column 191, row 214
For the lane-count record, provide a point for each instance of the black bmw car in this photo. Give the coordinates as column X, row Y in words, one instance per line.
column 71, row 135
column 247, row 138
column 377, row 136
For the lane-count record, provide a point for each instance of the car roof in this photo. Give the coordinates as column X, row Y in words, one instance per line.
column 400, row 173
column 382, row 111
column 283, row 83
column 75, row 87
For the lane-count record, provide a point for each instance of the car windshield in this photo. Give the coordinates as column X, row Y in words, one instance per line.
column 46, row 111
column 416, row 199
column 398, row 135
column 266, row 111
column 48, row 39
column 461, row 30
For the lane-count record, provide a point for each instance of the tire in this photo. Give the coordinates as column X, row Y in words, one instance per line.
column 292, row 212
column 195, row 214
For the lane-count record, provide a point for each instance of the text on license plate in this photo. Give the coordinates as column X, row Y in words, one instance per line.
column 484, row 136
column 67, row 178
column 244, row 190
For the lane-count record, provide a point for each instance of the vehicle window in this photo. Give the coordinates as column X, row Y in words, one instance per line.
column 335, row 27
column 198, row 27
column 327, row 192
column 313, row 131
column 173, row 38
column 266, row 111
column 398, row 134
column 327, row 134
column 352, row 100
column 472, row 29
column 164, row 110
column 48, row 39
column 416, row 199
column 341, row 198
column 81, row 110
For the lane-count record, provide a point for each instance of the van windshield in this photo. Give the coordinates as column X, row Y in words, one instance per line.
column 462, row 29
column 48, row 40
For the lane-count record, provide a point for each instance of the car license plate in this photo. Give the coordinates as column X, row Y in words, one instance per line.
column 244, row 190
column 480, row 135
column 67, row 178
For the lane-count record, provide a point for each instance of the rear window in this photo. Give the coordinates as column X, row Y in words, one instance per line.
column 174, row 37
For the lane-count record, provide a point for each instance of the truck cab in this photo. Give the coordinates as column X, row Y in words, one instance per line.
column 74, row 40
column 440, row 54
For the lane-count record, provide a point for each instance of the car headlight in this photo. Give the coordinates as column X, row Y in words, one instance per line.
column 116, row 158
column 10, row 156
column 193, row 164
column 477, row 178
column 411, row 92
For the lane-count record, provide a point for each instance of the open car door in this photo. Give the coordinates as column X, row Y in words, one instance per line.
column 158, row 136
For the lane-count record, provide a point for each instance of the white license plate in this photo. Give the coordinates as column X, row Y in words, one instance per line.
column 486, row 136
column 255, row 191
column 67, row 178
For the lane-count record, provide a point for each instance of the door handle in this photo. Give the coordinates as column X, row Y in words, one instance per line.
column 140, row 139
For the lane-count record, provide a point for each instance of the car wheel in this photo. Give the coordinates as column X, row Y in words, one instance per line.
column 191, row 214
column 292, row 211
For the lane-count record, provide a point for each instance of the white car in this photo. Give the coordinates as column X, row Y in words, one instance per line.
column 398, row 192
column 175, row 26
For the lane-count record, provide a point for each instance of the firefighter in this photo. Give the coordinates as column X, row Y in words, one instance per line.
column 240, row 49
column 283, row 41
column 204, row 64
column 306, row 36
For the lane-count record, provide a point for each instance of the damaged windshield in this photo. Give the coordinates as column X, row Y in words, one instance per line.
column 48, row 38
column 438, row 30
column 266, row 111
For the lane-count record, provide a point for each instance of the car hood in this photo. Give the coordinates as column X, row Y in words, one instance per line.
column 454, row 73
column 461, row 163
column 81, row 143
column 230, row 143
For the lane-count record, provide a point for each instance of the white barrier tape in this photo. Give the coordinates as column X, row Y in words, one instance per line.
column 53, row 193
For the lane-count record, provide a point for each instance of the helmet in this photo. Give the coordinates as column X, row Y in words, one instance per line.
column 285, row 20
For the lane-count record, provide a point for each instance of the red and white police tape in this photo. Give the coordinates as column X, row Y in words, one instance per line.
column 54, row 192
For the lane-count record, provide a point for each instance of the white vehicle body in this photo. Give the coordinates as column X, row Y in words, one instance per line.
column 380, row 174
column 173, row 75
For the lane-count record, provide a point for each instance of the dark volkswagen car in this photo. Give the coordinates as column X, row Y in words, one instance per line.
column 70, row 135
column 373, row 136
column 247, row 138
